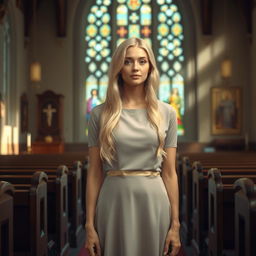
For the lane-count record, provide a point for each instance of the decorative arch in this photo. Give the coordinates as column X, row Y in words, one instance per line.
column 163, row 23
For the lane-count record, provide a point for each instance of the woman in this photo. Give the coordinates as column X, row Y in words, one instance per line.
column 130, row 209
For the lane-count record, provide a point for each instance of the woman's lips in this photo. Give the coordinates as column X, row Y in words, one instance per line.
column 135, row 76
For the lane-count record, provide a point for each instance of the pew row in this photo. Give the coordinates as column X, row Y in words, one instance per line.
column 185, row 170
column 221, row 201
column 57, row 204
column 45, row 161
column 75, row 188
column 245, row 217
column 202, row 237
column 6, row 218
column 30, row 234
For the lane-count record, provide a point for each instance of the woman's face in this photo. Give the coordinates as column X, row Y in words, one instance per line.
column 136, row 66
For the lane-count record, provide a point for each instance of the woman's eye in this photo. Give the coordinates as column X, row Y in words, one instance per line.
column 143, row 61
column 140, row 62
column 127, row 62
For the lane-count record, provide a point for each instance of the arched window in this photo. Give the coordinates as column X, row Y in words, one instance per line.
column 162, row 23
column 134, row 18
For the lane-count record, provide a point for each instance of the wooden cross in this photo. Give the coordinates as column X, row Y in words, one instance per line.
column 49, row 111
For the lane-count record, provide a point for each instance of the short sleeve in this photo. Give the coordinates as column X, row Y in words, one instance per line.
column 171, row 133
column 93, row 129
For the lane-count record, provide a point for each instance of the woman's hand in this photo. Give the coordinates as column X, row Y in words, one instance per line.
column 172, row 241
column 92, row 243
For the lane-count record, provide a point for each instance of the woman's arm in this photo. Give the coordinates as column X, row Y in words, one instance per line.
column 170, row 180
column 93, row 185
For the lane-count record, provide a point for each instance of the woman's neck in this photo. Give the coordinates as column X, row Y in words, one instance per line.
column 133, row 97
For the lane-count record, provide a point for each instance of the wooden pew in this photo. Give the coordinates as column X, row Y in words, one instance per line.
column 186, row 206
column 200, row 201
column 57, row 208
column 30, row 217
column 53, row 160
column 221, row 211
column 244, row 157
column 75, row 182
column 185, row 175
column 76, row 214
column 6, row 218
column 209, row 160
column 245, row 217
column 199, row 215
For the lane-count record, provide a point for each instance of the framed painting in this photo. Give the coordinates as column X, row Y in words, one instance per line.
column 226, row 110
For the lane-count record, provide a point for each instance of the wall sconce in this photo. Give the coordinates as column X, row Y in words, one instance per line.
column 35, row 71
column 226, row 68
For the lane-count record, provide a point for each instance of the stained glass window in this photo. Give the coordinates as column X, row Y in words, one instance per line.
column 170, row 58
column 134, row 18
column 97, row 57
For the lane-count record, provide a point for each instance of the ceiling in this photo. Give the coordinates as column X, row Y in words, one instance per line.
column 246, row 6
column 28, row 7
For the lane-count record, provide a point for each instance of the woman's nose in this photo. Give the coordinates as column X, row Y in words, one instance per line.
column 135, row 65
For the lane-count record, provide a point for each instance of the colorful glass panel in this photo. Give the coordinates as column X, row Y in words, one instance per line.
column 139, row 17
column 164, row 90
column 91, row 96
column 134, row 31
column 97, row 43
column 122, row 15
column 145, row 15
column 177, row 100
column 170, row 50
column 134, row 5
column 103, row 87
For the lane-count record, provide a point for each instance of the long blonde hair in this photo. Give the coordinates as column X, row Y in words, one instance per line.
column 113, row 104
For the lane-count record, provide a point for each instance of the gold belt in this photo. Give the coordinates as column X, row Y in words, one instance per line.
column 133, row 173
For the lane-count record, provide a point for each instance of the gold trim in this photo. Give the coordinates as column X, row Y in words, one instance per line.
column 153, row 173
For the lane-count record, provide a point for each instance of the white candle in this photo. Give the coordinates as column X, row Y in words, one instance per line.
column 28, row 140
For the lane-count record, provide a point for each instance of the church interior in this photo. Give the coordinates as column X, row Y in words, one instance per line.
column 54, row 59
